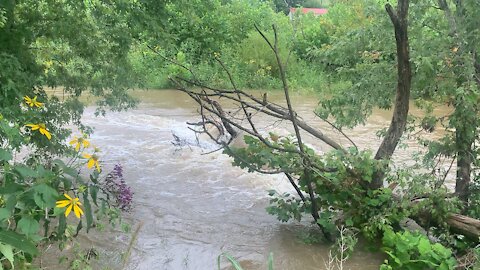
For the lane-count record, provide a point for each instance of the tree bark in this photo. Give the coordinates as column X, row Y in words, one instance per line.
column 402, row 99
column 464, row 164
column 467, row 226
column 464, row 140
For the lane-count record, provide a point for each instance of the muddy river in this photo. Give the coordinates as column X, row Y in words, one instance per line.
column 192, row 207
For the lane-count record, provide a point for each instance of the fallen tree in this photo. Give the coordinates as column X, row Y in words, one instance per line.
column 248, row 105
column 345, row 185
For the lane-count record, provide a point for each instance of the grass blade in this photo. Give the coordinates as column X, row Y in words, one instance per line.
column 232, row 260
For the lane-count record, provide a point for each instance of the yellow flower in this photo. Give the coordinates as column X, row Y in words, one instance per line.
column 32, row 101
column 41, row 128
column 71, row 203
column 92, row 161
column 79, row 142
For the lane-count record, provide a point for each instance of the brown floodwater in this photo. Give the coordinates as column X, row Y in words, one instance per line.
column 193, row 206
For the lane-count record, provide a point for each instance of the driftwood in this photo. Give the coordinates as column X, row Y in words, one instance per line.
column 461, row 224
column 467, row 226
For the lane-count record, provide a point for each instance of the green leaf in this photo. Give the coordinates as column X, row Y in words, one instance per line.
column 45, row 196
column 389, row 238
column 7, row 251
column 88, row 210
column 270, row 261
column 62, row 225
column 5, row 214
column 444, row 266
column 349, row 222
column 79, row 228
column 67, row 183
column 5, row 155
column 28, row 225
column 11, row 202
column 25, row 171
column 232, row 260
column 18, row 241
column 93, row 194
column 424, row 246
column 10, row 188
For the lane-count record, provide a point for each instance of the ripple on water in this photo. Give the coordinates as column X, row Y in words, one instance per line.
column 195, row 206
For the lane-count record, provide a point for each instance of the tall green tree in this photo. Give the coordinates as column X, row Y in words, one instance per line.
column 80, row 46
column 444, row 45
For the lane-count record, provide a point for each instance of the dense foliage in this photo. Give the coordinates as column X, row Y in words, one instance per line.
column 194, row 33
column 77, row 46
column 354, row 46
column 103, row 48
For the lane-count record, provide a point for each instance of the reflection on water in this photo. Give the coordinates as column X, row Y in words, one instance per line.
column 194, row 207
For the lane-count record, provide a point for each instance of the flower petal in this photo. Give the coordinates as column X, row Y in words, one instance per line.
column 33, row 126
column 61, row 204
column 68, row 197
column 78, row 212
column 46, row 133
column 69, row 209
column 90, row 163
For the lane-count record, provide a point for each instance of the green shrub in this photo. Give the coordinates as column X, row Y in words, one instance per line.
column 412, row 251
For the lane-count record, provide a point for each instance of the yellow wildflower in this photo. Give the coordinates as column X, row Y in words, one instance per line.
column 32, row 101
column 92, row 161
column 70, row 203
column 79, row 142
column 41, row 128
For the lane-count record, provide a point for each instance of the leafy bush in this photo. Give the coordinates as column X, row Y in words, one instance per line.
column 39, row 191
column 473, row 208
column 411, row 251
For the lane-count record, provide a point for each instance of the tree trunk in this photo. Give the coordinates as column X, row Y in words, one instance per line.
column 464, row 161
column 467, row 226
column 465, row 129
column 402, row 99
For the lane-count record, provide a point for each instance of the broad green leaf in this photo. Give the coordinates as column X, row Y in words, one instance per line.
column 424, row 246
column 25, row 171
column 7, row 251
column 10, row 188
column 67, row 183
column 28, row 226
column 18, row 241
column 45, row 196
column 5, row 155
column 11, row 202
column 444, row 266
column 5, row 214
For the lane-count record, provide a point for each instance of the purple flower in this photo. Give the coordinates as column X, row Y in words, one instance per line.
column 116, row 186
